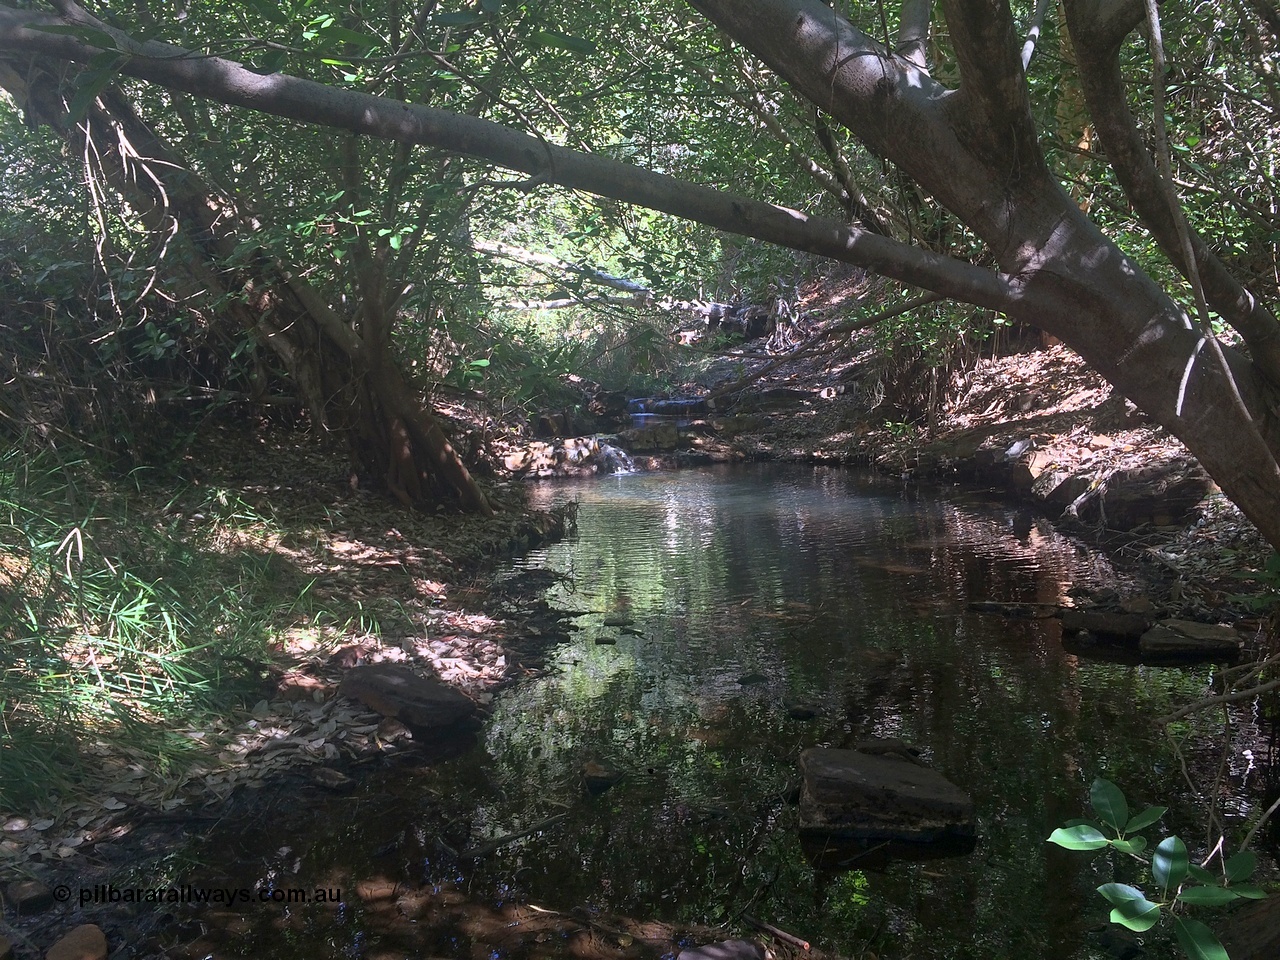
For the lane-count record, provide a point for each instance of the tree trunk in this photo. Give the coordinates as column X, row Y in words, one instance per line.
column 974, row 149
column 344, row 387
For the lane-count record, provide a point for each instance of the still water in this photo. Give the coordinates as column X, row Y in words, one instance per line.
column 818, row 587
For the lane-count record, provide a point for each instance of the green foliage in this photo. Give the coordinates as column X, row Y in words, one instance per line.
column 1176, row 881
column 1269, row 579
column 119, row 625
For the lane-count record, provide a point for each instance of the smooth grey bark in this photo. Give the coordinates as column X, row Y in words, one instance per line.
column 1103, row 86
column 316, row 103
column 973, row 149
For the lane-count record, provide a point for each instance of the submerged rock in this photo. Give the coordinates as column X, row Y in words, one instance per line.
column 85, row 942
column 1016, row 611
column 1189, row 640
column 882, row 799
column 433, row 710
column 28, row 896
column 598, row 778
column 802, row 711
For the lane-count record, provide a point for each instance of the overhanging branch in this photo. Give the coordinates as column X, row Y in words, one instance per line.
column 315, row 103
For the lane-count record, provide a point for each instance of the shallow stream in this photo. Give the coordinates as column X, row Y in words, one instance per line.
column 712, row 602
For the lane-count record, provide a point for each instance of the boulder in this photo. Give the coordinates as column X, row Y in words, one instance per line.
column 883, row 797
column 1159, row 494
column 1189, row 640
column 433, row 710
column 1252, row 930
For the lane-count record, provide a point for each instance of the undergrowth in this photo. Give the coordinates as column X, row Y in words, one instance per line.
column 124, row 620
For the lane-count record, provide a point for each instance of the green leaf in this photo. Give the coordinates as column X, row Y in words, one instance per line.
column 1249, row 891
column 1200, row 874
column 1118, row 893
column 1207, row 896
column 1197, row 940
column 1132, row 908
column 103, row 69
column 1241, row 866
column 270, row 10
column 341, row 34
column 1109, row 804
column 1083, row 836
column 563, row 41
column 1145, row 819
column 395, row 241
column 1169, row 863
column 1132, row 845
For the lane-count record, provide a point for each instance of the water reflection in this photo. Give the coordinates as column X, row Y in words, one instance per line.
column 840, row 593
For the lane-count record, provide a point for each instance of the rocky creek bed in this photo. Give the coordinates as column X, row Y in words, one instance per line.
column 301, row 745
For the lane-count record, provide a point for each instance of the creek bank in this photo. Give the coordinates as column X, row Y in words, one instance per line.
column 423, row 586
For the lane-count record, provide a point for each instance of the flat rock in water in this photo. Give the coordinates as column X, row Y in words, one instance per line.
column 1104, row 623
column 1189, row 640
column 867, row 796
column 802, row 711
column 429, row 707
column 724, row 950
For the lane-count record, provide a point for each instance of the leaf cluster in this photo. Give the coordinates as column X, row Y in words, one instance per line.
column 1177, row 882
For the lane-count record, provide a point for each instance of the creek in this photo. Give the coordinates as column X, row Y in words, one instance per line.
column 712, row 602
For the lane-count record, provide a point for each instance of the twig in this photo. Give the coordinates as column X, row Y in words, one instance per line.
column 780, row 934
column 1233, row 697
column 1258, row 826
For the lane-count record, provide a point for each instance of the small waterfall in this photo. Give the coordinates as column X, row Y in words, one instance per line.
column 614, row 459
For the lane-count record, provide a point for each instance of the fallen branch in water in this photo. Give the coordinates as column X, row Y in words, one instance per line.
column 482, row 851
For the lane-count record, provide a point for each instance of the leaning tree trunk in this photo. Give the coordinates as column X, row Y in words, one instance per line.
column 392, row 434
column 974, row 149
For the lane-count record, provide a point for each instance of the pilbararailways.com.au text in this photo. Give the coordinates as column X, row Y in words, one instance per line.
column 190, row 893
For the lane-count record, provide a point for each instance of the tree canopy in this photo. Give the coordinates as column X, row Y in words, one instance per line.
column 1102, row 170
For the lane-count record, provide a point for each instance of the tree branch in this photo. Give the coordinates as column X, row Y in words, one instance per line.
column 913, row 32
column 993, row 86
column 1103, row 85
column 322, row 105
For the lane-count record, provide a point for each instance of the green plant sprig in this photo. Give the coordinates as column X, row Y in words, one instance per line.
column 1177, row 880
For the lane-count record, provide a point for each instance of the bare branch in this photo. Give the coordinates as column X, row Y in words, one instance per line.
column 1033, row 33
column 317, row 103
column 913, row 32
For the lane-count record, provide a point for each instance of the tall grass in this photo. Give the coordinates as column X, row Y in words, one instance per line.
column 122, row 622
